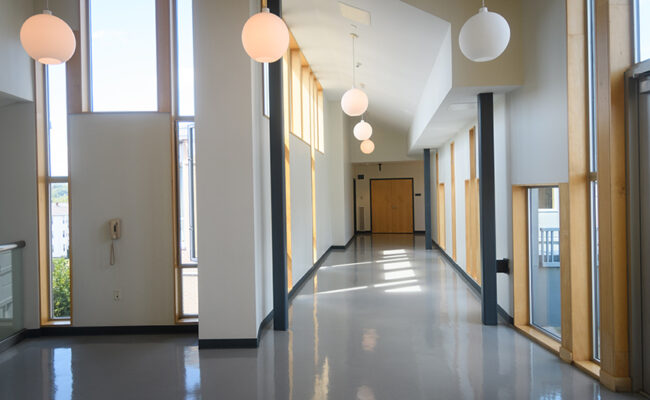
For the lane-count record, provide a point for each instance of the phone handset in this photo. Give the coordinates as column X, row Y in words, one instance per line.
column 115, row 230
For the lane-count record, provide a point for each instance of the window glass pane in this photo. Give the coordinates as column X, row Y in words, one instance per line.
column 185, row 54
column 321, row 123
column 544, row 248
column 265, row 78
column 59, row 251
column 190, row 290
column 57, row 116
column 306, row 112
column 296, row 106
column 186, row 193
column 123, row 55
column 644, row 29
column 595, row 282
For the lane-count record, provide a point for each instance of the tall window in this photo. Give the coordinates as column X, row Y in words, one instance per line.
column 544, row 263
column 187, row 271
column 59, row 209
column 642, row 29
column 593, row 185
column 123, row 55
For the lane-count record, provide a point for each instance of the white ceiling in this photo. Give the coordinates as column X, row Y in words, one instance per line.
column 396, row 51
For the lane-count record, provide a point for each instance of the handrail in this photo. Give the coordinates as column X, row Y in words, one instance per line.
column 10, row 246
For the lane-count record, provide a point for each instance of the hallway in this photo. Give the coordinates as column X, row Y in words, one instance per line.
column 389, row 321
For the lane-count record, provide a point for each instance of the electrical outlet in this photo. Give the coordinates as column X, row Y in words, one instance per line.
column 116, row 295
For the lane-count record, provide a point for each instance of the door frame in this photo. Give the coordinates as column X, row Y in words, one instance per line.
column 412, row 200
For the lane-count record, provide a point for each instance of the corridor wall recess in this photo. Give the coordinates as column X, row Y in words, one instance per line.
column 47, row 39
column 484, row 36
column 355, row 101
column 265, row 37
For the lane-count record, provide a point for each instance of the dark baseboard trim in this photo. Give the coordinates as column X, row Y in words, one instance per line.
column 472, row 284
column 228, row 343
column 296, row 288
column 419, row 232
column 111, row 330
column 346, row 245
column 13, row 340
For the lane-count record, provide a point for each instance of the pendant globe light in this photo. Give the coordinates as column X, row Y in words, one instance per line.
column 354, row 102
column 362, row 130
column 265, row 37
column 367, row 146
column 484, row 36
column 47, row 39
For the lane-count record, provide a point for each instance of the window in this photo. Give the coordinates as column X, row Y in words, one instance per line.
column 265, row 83
column 321, row 123
column 306, row 112
column 59, row 210
column 123, row 55
column 186, row 191
column 593, row 178
column 642, row 29
column 186, row 264
column 296, row 103
column 185, row 58
column 544, row 260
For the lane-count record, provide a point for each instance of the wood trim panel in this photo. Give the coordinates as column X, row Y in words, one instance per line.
column 163, row 55
column 442, row 227
column 74, row 87
column 286, row 98
column 453, row 203
column 42, row 194
column 520, row 255
column 612, row 25
column 575, row 222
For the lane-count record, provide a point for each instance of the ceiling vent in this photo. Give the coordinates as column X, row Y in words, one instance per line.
column 354, row 14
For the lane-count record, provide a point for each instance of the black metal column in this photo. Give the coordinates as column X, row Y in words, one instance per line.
column 278, row 199
column 427, row 199
column 488, row 228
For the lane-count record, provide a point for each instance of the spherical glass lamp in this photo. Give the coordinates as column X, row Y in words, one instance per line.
column 354, row 102
column 362, row 130
column 367, row 146
column 484, row 36
column 265, row 37
column 47, row 39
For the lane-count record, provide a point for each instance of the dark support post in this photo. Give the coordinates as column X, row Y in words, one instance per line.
column 427, row 199
column 488, row 228
column 278, row 200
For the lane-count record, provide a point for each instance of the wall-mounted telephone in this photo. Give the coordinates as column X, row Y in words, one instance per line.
column 115, row 230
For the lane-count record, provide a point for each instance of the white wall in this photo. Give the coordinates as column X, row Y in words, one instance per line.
column 16, row 66
column 340, row 173
column 391, row 144
column 407, row 169
column 226, row 173
column 324, row 224
column 301, row 208
column 538, row 110
column 120, row 167
column 18, row 201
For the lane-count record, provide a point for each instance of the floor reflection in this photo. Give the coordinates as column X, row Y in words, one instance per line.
column 383, row 319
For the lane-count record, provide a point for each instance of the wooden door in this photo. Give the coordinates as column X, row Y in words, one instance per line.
column 391, row 205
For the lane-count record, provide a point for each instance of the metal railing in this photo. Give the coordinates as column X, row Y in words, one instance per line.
column 549, row 247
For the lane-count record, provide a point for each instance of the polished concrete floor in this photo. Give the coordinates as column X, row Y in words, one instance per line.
column 389, row 320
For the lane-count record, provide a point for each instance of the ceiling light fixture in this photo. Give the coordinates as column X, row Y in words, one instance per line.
column 265, row 37
column 47, row 39
column 484, row 36
column 367, row 146
column 362, row 130
column 354, row 102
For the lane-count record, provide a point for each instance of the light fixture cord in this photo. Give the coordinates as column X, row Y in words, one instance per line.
column 483, row 1
column 47, row 4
